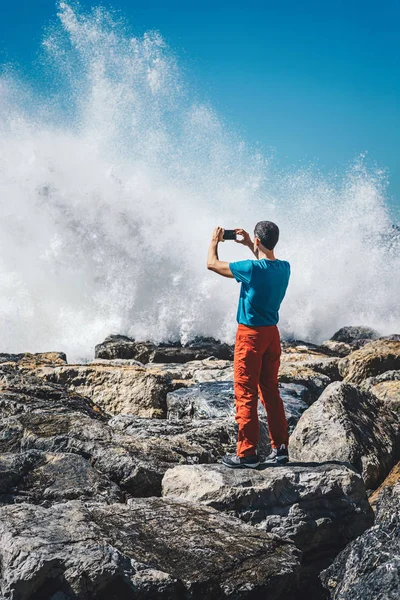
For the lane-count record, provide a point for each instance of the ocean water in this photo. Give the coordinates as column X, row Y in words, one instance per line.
column 111, row 185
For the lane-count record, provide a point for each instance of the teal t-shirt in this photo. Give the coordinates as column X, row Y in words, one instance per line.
column 264, row 283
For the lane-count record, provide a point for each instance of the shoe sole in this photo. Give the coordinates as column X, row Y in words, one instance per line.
column 254, row 466
column 282, row 460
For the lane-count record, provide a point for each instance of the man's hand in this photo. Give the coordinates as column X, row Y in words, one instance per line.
column 217, row 235
column 246, row 241
column 213, row 262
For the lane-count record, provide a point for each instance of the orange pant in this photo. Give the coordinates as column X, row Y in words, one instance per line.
column 256, row 366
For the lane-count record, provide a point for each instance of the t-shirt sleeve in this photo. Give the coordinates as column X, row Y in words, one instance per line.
column 242, row 270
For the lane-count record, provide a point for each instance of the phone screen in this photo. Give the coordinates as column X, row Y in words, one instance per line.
column 229, row 234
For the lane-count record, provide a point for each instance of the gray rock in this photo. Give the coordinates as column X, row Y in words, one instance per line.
column 151, row 549
column 369, row 567
column 128, row 389
column 197, row 350
column 387, row 496
column 123, row 347
column 302, row 347
column 354, row 334
column 317, row 358
column 117, row 362
column 386, row 387
column 195, row 371
column 371, row 360
column 22, row 392
column 215, row 400
column 348, row 339
column 197, row 441
column 300, row 374
column 44, row 478
column 351, row 425
column 338, row 348
column 326, row 366
column 5, row 357
column 122, row 460
column 216, row 371
column 118, row 346
column 320, row 508
column 293, row 396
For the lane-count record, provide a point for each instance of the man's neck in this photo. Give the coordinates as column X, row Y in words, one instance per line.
column 268, row 254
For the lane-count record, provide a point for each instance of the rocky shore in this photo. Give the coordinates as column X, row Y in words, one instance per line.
column 111, row 486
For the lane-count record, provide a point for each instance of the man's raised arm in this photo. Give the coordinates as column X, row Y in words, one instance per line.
column 213, row 262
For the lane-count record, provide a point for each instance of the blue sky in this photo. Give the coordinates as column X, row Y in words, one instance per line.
column 317, row 81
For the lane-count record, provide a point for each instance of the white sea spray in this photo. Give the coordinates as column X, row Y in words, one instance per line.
column 111, row 187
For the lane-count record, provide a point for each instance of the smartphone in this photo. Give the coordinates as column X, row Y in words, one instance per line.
column 229, row 234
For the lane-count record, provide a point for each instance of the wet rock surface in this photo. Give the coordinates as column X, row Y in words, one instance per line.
column 369, row 567
column 319, row 507
column 117, row 346
column 151, row 548
column 216, row 400
column 351, row 425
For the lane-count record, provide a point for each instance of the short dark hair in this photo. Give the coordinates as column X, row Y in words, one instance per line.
column 268, row 234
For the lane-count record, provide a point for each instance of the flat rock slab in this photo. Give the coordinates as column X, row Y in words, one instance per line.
column 369, row 567
column 350, row 425
column 321, row 508
column 151, row 549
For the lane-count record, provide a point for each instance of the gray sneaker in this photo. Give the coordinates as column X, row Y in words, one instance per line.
column 235, row 462
column 278, row 456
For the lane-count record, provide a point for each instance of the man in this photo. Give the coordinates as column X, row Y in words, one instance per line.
column 257, row 349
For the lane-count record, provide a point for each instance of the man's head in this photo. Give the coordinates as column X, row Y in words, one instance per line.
column 267, row 234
